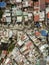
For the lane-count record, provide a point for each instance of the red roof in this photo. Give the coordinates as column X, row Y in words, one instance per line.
column 36, row 9
column 48, row 15
column 47, row 1
column 36, row 18
column 37, row 33
column 29, row 44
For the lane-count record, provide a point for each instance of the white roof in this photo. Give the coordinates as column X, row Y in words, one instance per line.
column 23, row 49
column 7, row 10
column 36, row 12
column 47, row 59
column 25, row 4
column 43, row 46
column 42, row 14
column 8, row 19
column 7, row 14
column 18, row 0
column 7, row 60
column 20, row 42
column 47, row 10
column 29, row 14
column 19, row 18
column 10, row 33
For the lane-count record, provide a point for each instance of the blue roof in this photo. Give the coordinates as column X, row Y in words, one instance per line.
column 43, row 33
column 2, row 4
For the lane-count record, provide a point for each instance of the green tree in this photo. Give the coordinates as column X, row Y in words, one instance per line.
column 1, row 13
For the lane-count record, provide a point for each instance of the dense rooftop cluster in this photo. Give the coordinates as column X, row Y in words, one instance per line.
column 24, row 32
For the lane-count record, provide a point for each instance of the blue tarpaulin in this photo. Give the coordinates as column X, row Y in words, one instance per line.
column 2, row 4
column 37, row 24
column 44, row 33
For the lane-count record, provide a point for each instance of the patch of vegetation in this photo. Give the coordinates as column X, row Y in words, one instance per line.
column 1, row 13
column 10, row 48
column 0, row 52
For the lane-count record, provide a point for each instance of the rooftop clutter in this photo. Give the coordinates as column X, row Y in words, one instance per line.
column 24, row 33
